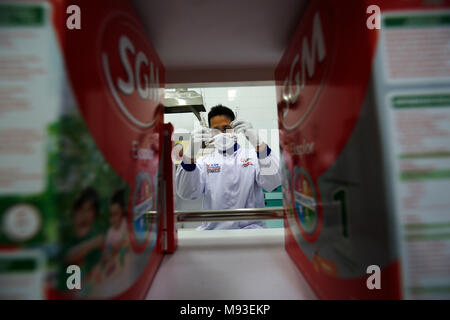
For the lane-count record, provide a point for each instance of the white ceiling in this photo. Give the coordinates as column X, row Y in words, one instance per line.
column 202, row 41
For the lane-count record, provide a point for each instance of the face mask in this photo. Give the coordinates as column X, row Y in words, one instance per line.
column 224, row 141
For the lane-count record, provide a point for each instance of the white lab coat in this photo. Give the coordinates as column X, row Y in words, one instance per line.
column 231, row 180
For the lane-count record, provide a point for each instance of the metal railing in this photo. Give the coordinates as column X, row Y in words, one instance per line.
column 229, row 214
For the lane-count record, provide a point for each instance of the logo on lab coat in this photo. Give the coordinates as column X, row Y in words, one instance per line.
column 246, row 162
column 211, row 168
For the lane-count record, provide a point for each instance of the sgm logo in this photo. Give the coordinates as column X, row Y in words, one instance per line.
column 131, row 75
column 304, row 70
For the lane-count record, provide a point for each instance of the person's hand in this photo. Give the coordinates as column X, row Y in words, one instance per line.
column 198, row 136
column 246, row 128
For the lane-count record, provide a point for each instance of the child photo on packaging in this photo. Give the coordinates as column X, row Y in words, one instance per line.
column 116, row 244
column 86, row 241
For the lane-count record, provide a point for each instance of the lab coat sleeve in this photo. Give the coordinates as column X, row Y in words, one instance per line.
column 190, row 181
column 268, row 174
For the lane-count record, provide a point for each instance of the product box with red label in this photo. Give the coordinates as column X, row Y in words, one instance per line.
column 80, row 138
column 364, row 117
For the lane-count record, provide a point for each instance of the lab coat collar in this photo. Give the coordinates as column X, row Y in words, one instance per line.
column 230, row 151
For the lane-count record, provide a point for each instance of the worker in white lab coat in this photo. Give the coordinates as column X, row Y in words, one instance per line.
column 231, row 177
